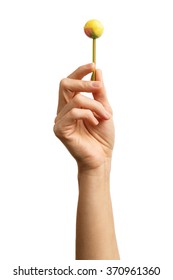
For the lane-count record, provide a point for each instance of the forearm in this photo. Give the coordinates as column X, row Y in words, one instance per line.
column 95, row 234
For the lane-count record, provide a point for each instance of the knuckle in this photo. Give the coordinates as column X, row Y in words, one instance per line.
column 88, row 84
column 73, row 112
column 63, row 83
column 77, row 99
column 57, row 130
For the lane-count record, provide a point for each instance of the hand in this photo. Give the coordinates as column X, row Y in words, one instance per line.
column 83, row 124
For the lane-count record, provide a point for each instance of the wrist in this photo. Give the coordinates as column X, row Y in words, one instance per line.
column 103, row 168
column 95, row 179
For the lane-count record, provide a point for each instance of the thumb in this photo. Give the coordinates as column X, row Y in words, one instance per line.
column 100, row 95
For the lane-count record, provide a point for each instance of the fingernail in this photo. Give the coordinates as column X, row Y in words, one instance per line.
column 96, row 84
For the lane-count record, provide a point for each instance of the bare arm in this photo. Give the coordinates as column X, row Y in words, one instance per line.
column 86, row 128
column 95, row 234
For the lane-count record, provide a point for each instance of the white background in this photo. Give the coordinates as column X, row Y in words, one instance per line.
column 40, row 43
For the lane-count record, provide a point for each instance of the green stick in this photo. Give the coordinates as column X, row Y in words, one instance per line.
column 93, row 78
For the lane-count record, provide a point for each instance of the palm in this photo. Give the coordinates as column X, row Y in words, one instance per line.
column 91, row 143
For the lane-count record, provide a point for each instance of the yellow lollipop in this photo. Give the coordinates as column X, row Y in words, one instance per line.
column 93, row 29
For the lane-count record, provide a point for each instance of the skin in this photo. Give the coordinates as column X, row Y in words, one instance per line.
column 85, row 126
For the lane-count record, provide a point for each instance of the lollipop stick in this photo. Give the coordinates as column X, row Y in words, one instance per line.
column 93, row 78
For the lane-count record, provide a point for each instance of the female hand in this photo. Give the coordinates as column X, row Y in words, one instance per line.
column 83, row 124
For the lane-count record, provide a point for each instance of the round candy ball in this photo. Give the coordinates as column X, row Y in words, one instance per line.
column 93, row 28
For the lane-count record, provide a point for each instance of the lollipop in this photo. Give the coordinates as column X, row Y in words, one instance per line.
column 93, row 29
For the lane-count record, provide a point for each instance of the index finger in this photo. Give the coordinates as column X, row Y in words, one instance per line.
column 82, row 71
